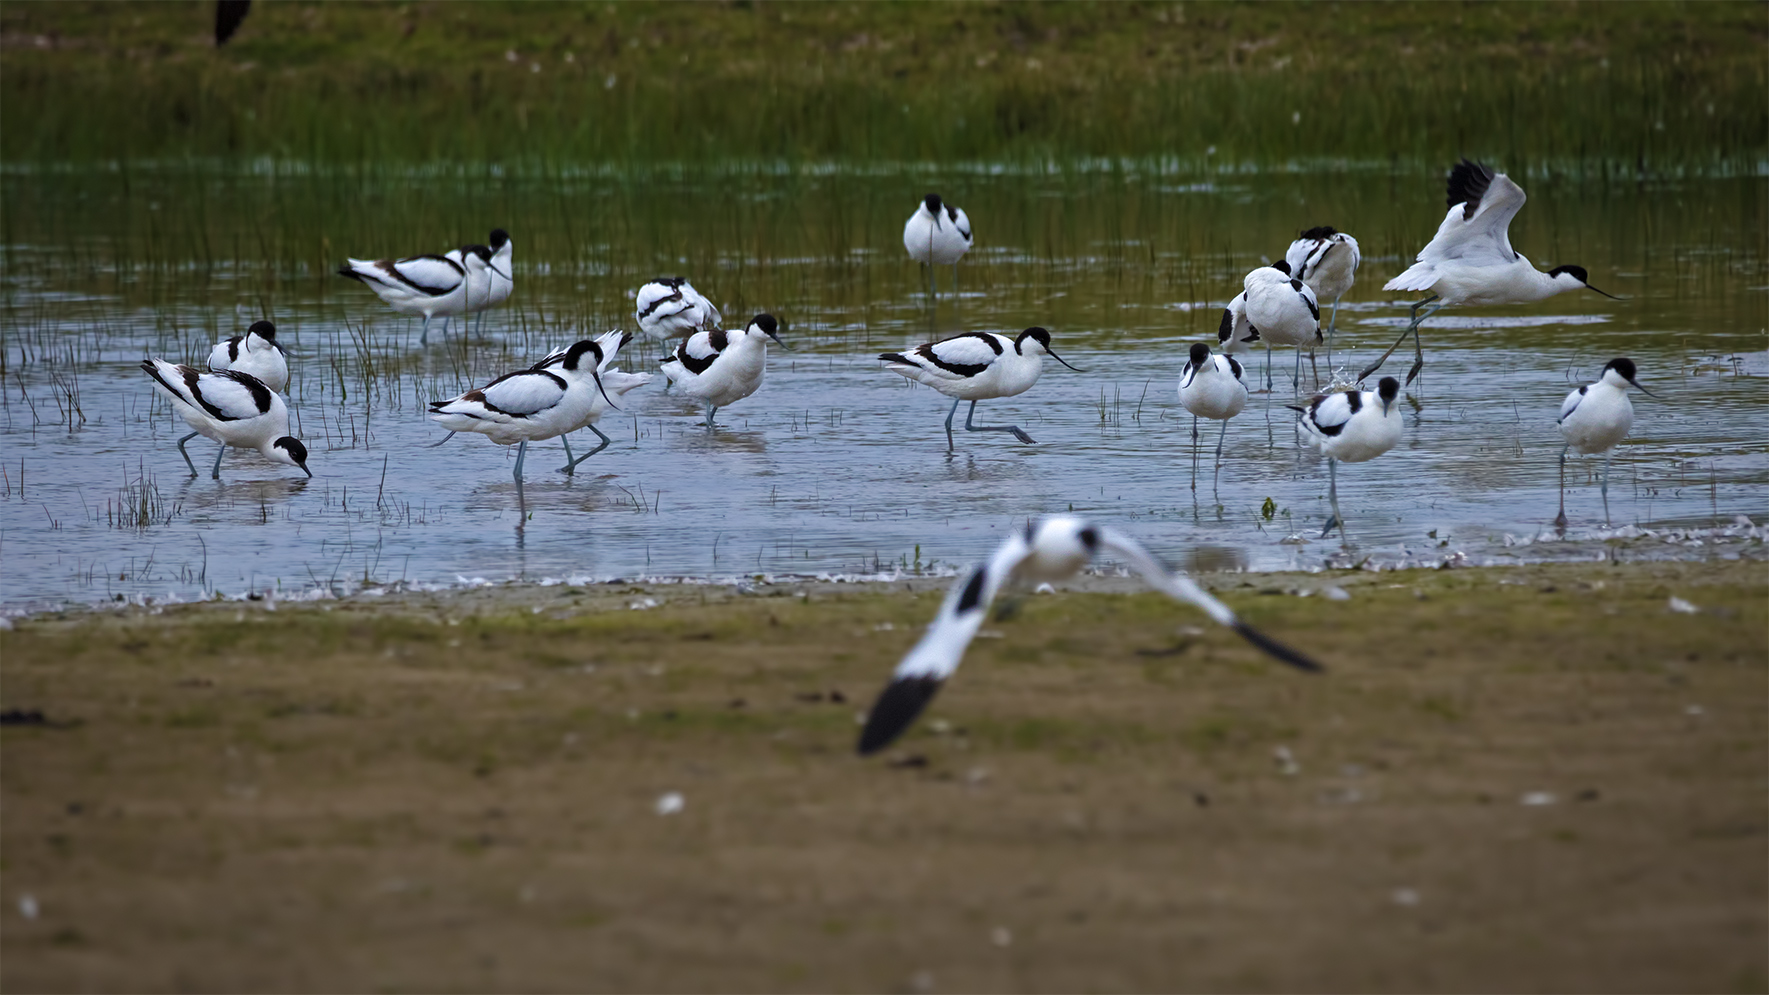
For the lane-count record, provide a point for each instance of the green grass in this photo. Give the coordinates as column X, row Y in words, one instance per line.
column 573, row 90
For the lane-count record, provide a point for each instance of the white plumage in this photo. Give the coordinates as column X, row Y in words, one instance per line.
column 1594, row 418
column 1326, row 260
column 1351, row 426
column 722, row 367
column 528, row 405
column 977, row 366
column 615, row 384
column 1274, row 308
column 1211, row 387
column 937, row 234
column 1044, row 551
column 255, row 352
column 1470, row 260
column 669, row 307
column 233, row 408
column 424, row 285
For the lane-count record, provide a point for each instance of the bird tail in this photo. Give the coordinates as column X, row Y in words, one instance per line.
column 1416, row 277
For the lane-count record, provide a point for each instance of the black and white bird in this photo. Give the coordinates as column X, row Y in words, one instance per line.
column 1210, row 387
column 937, row 234
column 1326, row 260
column 1044, row 551
column 528, row 405
column 233, row 408
column 1470, row 260
column 615, row 383
column 1351, row 427
column 425, row 285
column 490, row 281
column 723, row 367
column 1596, row 417
column 255, row 352
column 1274, row 308
column 669, row 308
column 977, row 366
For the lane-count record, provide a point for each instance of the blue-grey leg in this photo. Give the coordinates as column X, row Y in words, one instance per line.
column 521, row 451
column 1413, row 330
column 1605, row 486
column 569, row 462
column 709, row 416
column 1332, row 326
column 183, row 452
column 1333, row 497
column 1418, row 347
column 1268, row 367
column 1296, row 374
column 1560, row 519
column 1194, row 452
column 424, row 335
column 215, row 474
column 955, row 403
column 606, row 442
column 1220, row 438
column 1015, row 429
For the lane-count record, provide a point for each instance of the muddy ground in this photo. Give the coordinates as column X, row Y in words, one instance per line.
column 1540, row 779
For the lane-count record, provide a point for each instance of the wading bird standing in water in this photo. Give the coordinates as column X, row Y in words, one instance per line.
column 1596, row 417
column 1211, row 387
column 1326, row 260
column 1044, row 551
column 1470, row 260
column 977, row 366
column 1351, row 427
column 233, row 408
column 937, row 234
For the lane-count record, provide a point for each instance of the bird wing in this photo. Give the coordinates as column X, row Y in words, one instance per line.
column 960, row 356
column 960, row 220
column 698, row 351
column 1571, row 404
column 225, row 352
column 1304, row 253
column 659, row 299
column 611, row 343
column 919, row 677
column 709, row 315
column 1182, row 588
column 522, row 394
column 1476, row 229
column 227, row 395
column 1233, row 366
column 1308, row 298
column 1235, row 331
column 1328, row 413
column 433, row 275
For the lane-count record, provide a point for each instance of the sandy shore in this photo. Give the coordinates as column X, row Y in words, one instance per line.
column 1537, row 779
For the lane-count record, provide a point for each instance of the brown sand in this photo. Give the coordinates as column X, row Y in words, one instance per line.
column 459, row 793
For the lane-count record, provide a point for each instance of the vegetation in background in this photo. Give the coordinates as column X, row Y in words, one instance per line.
column 562, row 86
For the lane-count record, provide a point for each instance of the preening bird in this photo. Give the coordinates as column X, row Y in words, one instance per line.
column 233, row 408
column 1044, row 551
column 255, row 352
column 1326, row 260
column 722, row 367
column 937, row 234
column 1277, row 309
column 1351, row 426
column 669, row 307
column 1470, row 260
column 425, row 285
column 1594, row 418
column 489, row 280
column 1211, row 387
column 977, row 366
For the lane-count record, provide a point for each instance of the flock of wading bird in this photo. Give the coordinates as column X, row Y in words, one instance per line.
column 1470, row 261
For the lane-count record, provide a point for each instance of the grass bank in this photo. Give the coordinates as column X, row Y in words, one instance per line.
column 1541, row 779
column 1623, row 87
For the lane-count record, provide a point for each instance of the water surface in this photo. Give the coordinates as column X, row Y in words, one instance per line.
column 837, row 466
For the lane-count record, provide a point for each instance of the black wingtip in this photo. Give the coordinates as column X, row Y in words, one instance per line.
column 1276, row 648
column 352, row 274
column 228, row 15
column 894, row 357
column 895, row 711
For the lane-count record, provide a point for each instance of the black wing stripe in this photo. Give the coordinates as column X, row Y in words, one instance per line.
column 1468, row 183
column 896, row 709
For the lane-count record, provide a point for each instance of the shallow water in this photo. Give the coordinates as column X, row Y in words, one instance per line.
column 836, row 466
